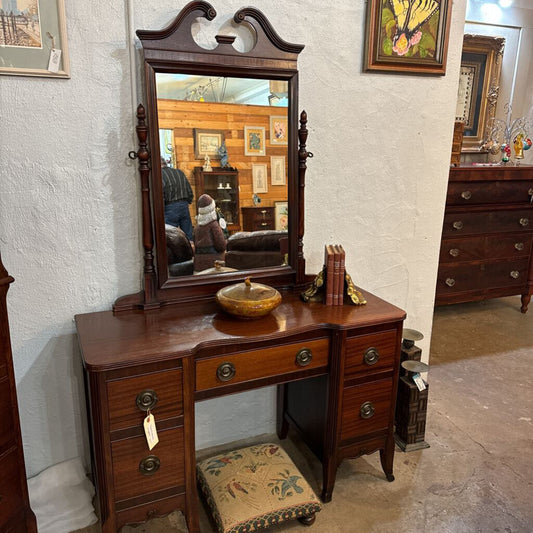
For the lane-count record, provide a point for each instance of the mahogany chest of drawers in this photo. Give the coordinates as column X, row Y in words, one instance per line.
column 336, row 369
column 257, row 218
column 487, row 235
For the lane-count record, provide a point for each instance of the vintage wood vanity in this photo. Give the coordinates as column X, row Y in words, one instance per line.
column 162, row 350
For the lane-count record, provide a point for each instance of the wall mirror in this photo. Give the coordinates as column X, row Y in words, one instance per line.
column 479, row 84
column 228, row 120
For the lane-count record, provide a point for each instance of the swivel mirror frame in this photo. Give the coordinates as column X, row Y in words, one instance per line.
column 173, row 50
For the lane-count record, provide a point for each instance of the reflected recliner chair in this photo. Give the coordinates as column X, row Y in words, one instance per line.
column 256, row 249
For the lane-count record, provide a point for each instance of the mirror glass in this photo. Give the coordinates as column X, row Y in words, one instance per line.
column 228, row 137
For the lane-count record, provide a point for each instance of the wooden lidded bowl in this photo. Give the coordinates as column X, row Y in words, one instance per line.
column 248, row 300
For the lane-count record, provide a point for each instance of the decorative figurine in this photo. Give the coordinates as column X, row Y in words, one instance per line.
column 207, row 164
column 209, row 240
column 519, row 146
column 223, row 153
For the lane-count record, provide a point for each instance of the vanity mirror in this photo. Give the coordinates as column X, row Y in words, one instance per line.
column 227, row 119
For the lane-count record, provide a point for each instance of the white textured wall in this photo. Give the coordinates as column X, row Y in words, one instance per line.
column 69, row 207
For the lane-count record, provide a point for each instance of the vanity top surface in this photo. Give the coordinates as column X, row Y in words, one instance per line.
column 113, row 340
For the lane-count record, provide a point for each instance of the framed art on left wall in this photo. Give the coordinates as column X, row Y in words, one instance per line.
column 33, row 39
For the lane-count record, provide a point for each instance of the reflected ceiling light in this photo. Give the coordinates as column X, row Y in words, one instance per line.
column 505, row 3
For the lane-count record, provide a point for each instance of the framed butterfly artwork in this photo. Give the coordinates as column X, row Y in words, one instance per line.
column 407, row 35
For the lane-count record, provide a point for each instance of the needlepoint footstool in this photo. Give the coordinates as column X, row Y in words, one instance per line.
column 255, row 487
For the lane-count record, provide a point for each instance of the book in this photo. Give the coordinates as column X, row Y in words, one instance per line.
column 329, row 264
column 336, row 273
column 342, row 270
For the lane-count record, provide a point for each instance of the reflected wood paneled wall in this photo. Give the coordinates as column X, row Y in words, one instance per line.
column 183, row 117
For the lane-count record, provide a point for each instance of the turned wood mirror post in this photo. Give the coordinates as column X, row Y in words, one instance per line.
column 188, row 89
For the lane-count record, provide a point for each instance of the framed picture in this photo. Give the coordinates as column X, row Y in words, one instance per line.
column 281, row 215
column 254, row 140
column 33, row 39
column 279, row 130
column 407, row 35
column 479, row 81
column 277, row 170
column 259, row 178
column 207, row 142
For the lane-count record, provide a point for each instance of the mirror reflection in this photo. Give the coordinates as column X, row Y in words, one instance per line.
column 224, row 156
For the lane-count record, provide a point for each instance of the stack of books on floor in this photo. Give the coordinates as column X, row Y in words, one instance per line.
column 334, row 260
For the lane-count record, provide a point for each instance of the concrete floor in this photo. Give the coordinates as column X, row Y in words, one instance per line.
column 476, row 476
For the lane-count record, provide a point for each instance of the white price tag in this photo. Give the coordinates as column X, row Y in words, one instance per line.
column 417, row 378
column 150, row 430
column 55, row 59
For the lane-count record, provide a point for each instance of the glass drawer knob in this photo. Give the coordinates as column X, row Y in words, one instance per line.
column 519, row 246
column 371, row 356
column 304, row 357
column 450, row 282
column 146, row 400
column 514, row 274
column 367, row 410
column 524, row 222
column 466, row 195
column 454, row 252
column 458, row 224
column 226, row 371
column 149, row 465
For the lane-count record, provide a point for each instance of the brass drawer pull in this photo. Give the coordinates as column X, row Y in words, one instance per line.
column 514, row 274
column 454, row 252
column 450, row 282
column 519, row 246
column 371, row 356
column 458, row 224
column 367, row 410
column 226, row 372
column 304, row 357
column 524, row 222
column 149, row 465
column 466, row 195
column 146, row 400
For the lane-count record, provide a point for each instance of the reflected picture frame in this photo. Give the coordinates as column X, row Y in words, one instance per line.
column 259, row 178
column 207, row 143
column 37, row 43
column 254, row 140
column 278, row 173
column 279, row 130
column 412, row 41
column 281, row 216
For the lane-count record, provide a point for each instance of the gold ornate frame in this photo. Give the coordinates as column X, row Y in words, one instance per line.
column 479, row 87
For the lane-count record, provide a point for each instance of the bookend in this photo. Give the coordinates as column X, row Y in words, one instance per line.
column 317, row 291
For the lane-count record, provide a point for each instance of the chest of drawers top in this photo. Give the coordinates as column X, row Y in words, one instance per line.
column 471, row 185
column 115, row 340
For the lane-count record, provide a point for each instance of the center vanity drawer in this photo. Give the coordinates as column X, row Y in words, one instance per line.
column 130, row 398
column 369, row 353
column 257, row 364
column 138, row 470
column 489, row 192
column 366, row 408
column 465, row 223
